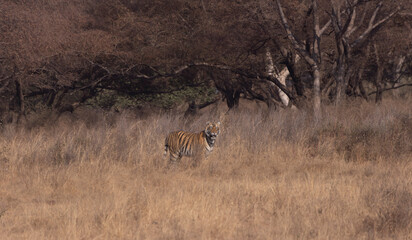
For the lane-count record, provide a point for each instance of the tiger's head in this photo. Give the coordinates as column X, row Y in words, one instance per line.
column 212, row 130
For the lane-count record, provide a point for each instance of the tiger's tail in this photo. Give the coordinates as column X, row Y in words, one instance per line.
column 166, row 146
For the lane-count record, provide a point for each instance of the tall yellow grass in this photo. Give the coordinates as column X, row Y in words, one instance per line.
column 276, row 176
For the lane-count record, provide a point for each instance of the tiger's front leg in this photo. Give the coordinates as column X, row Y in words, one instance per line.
column 198, row 156
column 196, row 160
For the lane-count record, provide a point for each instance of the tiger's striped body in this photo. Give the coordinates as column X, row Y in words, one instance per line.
column 182, row 143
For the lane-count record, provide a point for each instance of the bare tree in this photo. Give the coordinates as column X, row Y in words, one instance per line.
column 311, row 55
column 346, row 42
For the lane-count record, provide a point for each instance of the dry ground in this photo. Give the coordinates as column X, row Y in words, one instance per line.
column 280, row 176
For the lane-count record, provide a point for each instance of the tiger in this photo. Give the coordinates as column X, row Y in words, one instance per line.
column 181, row 143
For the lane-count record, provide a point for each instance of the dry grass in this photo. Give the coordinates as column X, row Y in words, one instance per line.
column 278, row 177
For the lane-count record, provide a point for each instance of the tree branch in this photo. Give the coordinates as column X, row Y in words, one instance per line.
column 316, row 33
column 298, row 46
column 372, row 25
column 391, row 88
column 239, row 71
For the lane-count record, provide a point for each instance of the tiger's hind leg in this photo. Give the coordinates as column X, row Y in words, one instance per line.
column 174, row 159
column 166, row 146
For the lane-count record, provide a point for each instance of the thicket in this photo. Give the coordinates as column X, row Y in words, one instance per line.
column 60, row 55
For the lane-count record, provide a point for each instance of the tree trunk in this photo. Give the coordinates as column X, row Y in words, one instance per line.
column 397, row 73
column 232, row 98
column 20, row 100
column 313, row 59
column 270, row 71
column 297, row 83
column 340, row 82
column 379, row 76
column 339, row 74
column 359, row 82
column 378, row 85
column 316, row 92
column 360, row 74
column 362, row 90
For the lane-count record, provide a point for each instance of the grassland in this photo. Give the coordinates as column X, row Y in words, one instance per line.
column 276, row 176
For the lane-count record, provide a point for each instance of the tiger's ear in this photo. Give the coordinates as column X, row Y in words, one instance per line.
column 207, row 123
column 218, row 123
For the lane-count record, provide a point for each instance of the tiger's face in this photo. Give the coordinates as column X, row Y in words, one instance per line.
column 212, row 130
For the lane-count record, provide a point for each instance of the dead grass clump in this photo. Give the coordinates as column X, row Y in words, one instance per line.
column 401, row 135
column 359, row 144
column 368, row 143
column 367, row 134
column 322, row 141
column 389, row 211
column 60, row 154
